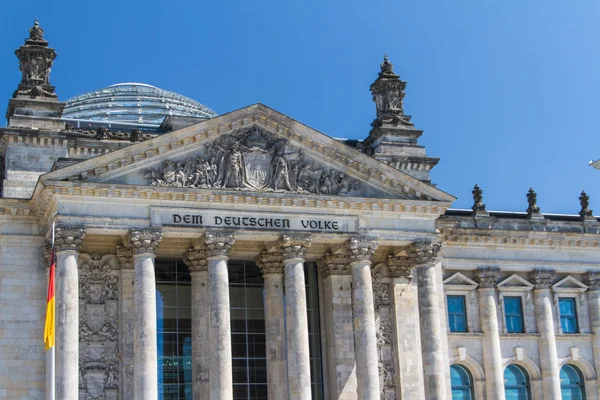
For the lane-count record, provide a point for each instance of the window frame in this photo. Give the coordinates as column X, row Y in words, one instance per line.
column 471, row 385
column 466, row 312
column 521, row 314
column 460, row 285
column 577, row 370
column 525, row 374
column 560, row 315
column 575, row 291
column 515, row 286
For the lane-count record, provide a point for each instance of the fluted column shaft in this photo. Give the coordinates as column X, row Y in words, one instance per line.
column 298, row 358
column 67, row 243
column 143, row 244
column 195, row 259
column 492, row 354
column 423, row 255
column 220, row 375
column 360, row 251
column 272, row 268
column 545, row 324
column 592, row 279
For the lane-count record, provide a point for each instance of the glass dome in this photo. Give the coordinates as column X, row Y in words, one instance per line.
column 133, row 103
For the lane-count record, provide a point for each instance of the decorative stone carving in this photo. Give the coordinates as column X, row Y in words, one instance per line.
column 400, row 267
column 532, row 202
column 361, row 248
column 334, row 264
column 104, row 134
column 218, row 244
column 125, row 256
column 142, row 241
column 423, row 252
column 195, row 259
column 294, row 247
column 584, row 201
column 388, row 95
column 592, row 279
column 253, row 160
column 487, row 277
column 68, row 238
column 541, row 278
column 35, row 62
column 98, row 322
column 477, row 199
column 270, row 263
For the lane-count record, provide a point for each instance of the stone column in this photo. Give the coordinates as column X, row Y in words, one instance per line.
column 488, row 311
column 337, row 282
column 217, row 247
column 424, row 256
column 294, row 250
column 360, row 251
column 542, row 279
column 271, row 265
column 143, row 243
column 126, row 320
column 195, row 259
column 67, row 243
column 592, row 279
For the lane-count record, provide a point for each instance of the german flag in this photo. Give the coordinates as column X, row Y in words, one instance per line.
column 49, row 327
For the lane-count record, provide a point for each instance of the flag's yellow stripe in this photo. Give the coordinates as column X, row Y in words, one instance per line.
column 49, row 328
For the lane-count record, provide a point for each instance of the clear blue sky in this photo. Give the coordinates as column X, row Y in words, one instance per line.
column 506, row 91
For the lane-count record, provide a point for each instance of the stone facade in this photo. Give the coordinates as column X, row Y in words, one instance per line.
column 257, row 186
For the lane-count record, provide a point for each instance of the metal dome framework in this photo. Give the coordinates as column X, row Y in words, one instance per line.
column 133, row 103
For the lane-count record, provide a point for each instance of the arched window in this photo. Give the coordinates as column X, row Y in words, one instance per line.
column 462, row 383
column 571, row 383
column 516, row 383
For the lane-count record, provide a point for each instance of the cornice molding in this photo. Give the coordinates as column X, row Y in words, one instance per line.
column 504, row 239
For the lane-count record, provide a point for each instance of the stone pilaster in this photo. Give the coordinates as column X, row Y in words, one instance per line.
column 337, row 282
column 271, row 265
column 143, row 243
column 195, row 259
column 424, row 256
column 217, row 246
column 592, row 279
column 126, row 320
column 293, row 250
column 488, row 310
column 542, row 279
column 67, row 243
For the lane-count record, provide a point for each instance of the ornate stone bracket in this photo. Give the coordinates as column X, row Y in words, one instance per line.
column 125, row 256
column 195, row 259
column 143, row 241
column 218, row 244
column 541, row 278
column 592, row 279
column 68, row 238
column 334, row 264
column 270, row 263
column 487, row 277
column 293, row 247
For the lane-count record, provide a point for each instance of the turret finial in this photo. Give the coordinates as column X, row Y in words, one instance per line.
column 477, row 199
column 584, row 201
column 532, row 202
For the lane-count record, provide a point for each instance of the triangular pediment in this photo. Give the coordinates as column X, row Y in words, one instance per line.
column 255, row 149
column 569, row 284
column 460, row 281
column 515, row 282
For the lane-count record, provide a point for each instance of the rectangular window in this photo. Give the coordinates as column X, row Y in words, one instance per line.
column 457, row 313
column 513, row 311
column 568, row 315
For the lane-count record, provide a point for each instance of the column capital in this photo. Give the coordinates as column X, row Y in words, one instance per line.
column 592, row 279
column 487, row 277
column 334, row 264
column 541, row 278
column 195, row 259
column 400, row 267
column 293, row 247
column 143, row 241
column 218, row 244
column 270, row 263
column 423, row 252
column 125, row 256
column 67, row 238
column 361, row 248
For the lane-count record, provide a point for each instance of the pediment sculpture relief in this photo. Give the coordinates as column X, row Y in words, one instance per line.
column 253, row 160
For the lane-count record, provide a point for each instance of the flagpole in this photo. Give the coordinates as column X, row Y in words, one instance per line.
column 50, row 355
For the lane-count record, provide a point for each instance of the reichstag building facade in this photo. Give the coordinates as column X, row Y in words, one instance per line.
column 249, row 256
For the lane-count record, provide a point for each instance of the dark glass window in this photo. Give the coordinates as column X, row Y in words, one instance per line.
column 513, row 311
column 314, row 330
column 457, row 313
column 462, row 383
column 516, row 383
column 571, row 383
column 568, row 315
column 173, row 330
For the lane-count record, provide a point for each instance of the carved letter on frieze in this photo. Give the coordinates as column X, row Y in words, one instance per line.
column 294, row 247
column 270, row 263
column 218, row 244
column 142, row 241
column 68, row 238
column 253, row 160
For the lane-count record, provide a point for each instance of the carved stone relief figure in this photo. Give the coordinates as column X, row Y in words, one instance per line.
column 253, row 160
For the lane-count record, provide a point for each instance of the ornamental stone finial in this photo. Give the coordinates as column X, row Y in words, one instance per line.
column 386, row 66
column 334, row 264
column 388, row 95
column 400, row 267
column 125, row 256
column 478, row 205
column 270, row 262
column 294, row 247
column 68, row 238
column 592, row 279
column 487, row 277
column 218, row 244
column 195, row 259
column 143, row 241
column 361, row 248
column 584, row 201
column 532, row 202
column 541, row 278
column 36, row 32
column 423, row 252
